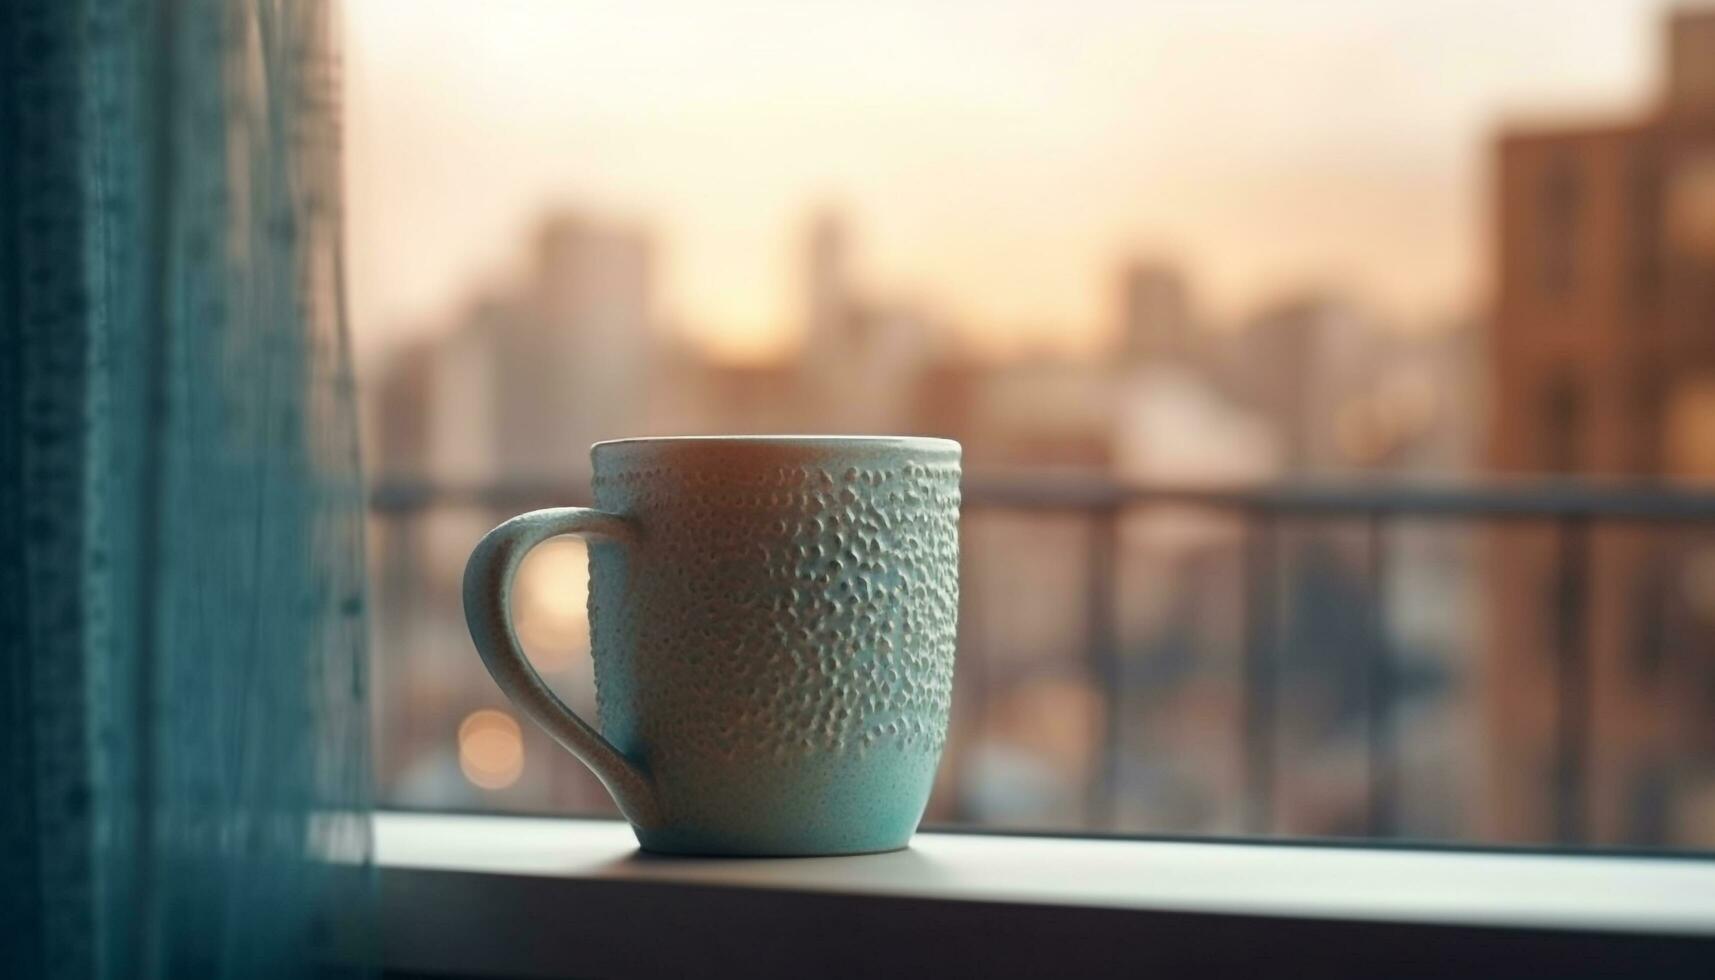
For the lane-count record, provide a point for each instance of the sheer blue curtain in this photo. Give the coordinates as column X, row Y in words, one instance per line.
column 184, row 704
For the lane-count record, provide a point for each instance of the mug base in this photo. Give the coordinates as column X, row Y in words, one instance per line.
column 690, row 844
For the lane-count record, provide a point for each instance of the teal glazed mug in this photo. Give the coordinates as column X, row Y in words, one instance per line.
column 772, row 621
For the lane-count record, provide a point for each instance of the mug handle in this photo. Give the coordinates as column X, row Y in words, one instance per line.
column 488, row 579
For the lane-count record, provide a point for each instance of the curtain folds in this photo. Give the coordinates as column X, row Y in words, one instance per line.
column 184, row 703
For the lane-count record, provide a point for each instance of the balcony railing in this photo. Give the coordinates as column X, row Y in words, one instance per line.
column 1570, row 509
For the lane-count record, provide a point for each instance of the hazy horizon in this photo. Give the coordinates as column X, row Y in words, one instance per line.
column 996, row 161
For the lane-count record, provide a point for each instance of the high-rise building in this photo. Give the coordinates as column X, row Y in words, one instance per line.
column 576, row 366
column 1603, row 359
column 1305, row 363
column 531, row 372
column 863, row 360
column 829, row 315
column 1155, row 312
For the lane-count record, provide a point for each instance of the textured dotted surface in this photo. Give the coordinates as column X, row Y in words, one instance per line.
column 777, row 612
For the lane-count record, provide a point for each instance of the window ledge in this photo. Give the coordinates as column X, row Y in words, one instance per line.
column 527, row 897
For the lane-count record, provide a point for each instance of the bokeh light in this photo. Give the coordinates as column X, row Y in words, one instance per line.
column 549, row 604
column 491, row 749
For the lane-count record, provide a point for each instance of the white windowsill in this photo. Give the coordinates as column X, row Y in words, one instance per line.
column 446, row 870
column 1472, row 888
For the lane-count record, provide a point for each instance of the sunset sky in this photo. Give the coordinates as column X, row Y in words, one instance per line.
column 996, row 160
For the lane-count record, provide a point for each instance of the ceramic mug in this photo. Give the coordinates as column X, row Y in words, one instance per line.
column 772, row 622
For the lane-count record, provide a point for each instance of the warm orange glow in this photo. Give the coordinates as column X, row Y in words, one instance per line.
column 996, row 160
column 491, row 749
column 1690, row 434
column 549, row 603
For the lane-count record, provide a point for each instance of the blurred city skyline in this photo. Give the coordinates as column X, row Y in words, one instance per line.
column 1500, row 660
column 1000, row 167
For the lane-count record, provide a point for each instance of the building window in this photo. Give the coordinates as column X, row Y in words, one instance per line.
column 1691, row 209
column 1689, row 428
column 1558, row 213
column 1648, row 411
column 1643, row 216
column 1563, row 411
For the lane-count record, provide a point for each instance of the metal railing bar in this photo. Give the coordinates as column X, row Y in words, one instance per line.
column 1102, row 657
column 1524, row 499
column 1261, row 601
column 1379, row 677
column 1521, row 500
column 1572, row 687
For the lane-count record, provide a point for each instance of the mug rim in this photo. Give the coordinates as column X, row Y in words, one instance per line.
column 932, row 444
